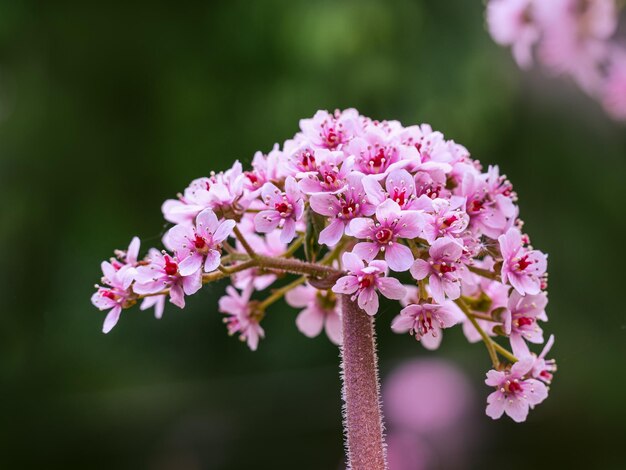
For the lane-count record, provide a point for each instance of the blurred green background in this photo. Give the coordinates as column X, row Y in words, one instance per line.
column 108, row 109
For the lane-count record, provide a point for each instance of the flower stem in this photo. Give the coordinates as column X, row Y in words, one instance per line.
column 486, row 339
column 242, row 239
column 484, row 273
column 363, row 425
column 504, row 352
column 280, row 292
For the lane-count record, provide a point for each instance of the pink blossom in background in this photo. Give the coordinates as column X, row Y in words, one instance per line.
column 510, row 24
column 320, row 312
column 614, row 86
column 430, row 409
column 576, row 38
column 241, row 317
column 363, row 281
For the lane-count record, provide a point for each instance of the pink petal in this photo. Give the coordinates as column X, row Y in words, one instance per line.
column 333, row 327
column 332, row 234
column 325, row 204
column 368, row 301
column 346, row 285
column 352, row 262
column 391, row 288
column 288, row 232
column 388, row 210
column 266, row 221
column 399, row 257
column 516, row 408
column 366, row 250
column 207, row 220
column 300, row 296
column 361, row 227
column 111, row 319
column 420, row 269
column 310, row 322
column 495, row 406
column 224, row 230
column 212, row 261
column 190, row 264
column 177, row 296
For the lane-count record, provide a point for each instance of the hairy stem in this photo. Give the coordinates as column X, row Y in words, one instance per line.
column 363, row 424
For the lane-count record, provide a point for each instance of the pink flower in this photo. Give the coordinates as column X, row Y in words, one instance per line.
column 399, row 187
column 330, row 131
column 511, row 24
column 514, row 394
column 320, row 312
column 286, row 208
column 376, row 154
column 330, row 173
column 199, row 244
column 117, row 293
column 445, row 220
column 341, row 208
column 444, row 269
column 521, row 268
column 520, row 320
column 242, row 317
column 393, row 223
column 426, row 321
column 163, row 273
column 363, row 281
column 487, row 213
column 188, row 205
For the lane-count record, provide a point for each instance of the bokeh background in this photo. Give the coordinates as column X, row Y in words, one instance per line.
column 107, row 109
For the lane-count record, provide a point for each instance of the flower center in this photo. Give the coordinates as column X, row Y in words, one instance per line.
column 283, row 208
column 377, row 162
column 252, row 177
column 199, row 242
column 512, row 386
column 524, row 321
column 349, row 209
column 307, row 161
column 399, row 195
column 523, row 263
column 366, row 281
column 384, row 235
column 447, row 222
column 475, row 206
column 333, row 138
column 171, row 268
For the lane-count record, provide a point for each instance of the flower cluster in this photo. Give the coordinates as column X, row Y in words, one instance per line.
column 571, row 37
column 357, row 208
